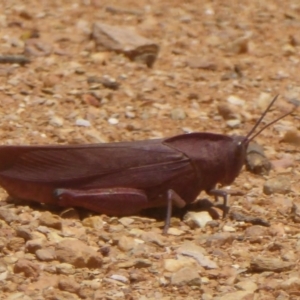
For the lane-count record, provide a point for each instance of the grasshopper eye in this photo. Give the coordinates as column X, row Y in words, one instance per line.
column 240, row 149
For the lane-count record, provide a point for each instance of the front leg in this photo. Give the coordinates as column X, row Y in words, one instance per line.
column 224, row 194
column 110, row 201
column 220, row 193
column 172, row 198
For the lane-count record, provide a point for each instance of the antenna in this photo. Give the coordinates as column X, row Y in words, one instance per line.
column 249, row 138
column 271, row 123
column 261, row 117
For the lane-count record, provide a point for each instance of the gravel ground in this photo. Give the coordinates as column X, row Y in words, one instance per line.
column 96, row 71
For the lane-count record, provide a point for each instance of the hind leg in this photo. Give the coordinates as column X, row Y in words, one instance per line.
column 111, row 201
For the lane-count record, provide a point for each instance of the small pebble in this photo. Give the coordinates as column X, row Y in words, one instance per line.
column 56, row 121
column 186, row 277
column 83, row 123
column 178, row 114
column 235, row 123
column 175, row 231
column 113, row 121
column 197, row 219
column 227, row 228
column 236, row 100
column 119, row 278
column 280, row 185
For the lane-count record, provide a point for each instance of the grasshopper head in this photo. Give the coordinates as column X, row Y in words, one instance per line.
column 236, row 158
column 238, row 149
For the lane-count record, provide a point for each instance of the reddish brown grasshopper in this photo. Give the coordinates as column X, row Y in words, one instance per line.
column 124, row 178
